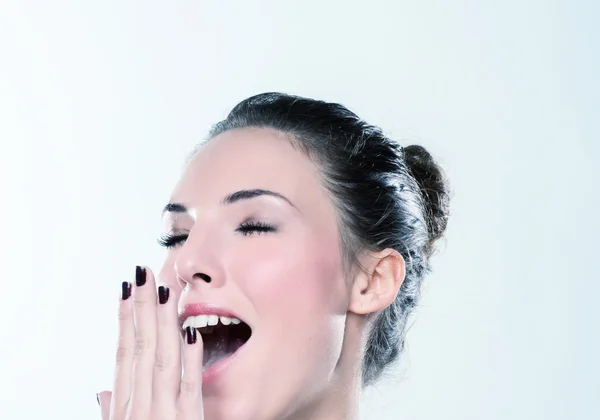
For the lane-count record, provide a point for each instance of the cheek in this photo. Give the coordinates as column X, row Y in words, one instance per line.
column 293, row 277
column 298, row 292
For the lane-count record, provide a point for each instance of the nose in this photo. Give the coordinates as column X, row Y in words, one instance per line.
column 196, row 263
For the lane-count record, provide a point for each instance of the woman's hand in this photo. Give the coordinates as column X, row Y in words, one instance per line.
column 149, row 383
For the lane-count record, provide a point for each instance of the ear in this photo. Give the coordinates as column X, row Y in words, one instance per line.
column 377, row 286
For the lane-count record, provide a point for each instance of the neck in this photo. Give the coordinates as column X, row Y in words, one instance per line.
column 339, row 402
column 340, row 399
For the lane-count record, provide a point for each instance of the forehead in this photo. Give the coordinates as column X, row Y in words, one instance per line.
column 246, row 159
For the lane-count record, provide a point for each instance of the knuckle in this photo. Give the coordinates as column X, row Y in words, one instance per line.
column 141, row 346
column 164, row 361
column 124, row 314
column 122, row 354
column 140, row 303
column 189, row 387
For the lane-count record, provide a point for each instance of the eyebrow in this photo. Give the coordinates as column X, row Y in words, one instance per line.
column 235, row 197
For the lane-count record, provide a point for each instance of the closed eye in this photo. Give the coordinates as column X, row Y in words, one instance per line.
column 255, row 227
column 171, row 240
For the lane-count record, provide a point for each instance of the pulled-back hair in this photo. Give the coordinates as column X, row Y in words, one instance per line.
column 387, row 196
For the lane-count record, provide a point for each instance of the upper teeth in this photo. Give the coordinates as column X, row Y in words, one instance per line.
column 201, row 321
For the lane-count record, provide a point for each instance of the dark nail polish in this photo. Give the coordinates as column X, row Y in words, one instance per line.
column 163, row 294
column 98, row 399
column 125, row 290
column 191, row 335
column 140, row 276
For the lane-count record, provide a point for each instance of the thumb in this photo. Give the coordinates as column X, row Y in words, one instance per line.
column 104, row 401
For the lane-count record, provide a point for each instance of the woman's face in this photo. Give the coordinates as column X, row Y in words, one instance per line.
column 260, row 224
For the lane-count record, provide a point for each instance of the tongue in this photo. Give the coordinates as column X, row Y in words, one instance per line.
column 219, row 346
column 215, row 348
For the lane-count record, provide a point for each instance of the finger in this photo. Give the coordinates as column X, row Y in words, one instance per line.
column 144, row 315
column 167, row 363
column 190, row 405
column 124, row 357
column 104, row 402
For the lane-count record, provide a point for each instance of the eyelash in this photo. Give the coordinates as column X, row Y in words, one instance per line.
column 169, row 240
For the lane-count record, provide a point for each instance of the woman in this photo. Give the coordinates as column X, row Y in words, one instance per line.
column 298, row 238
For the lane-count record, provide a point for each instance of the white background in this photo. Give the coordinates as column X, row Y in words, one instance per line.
column 100, row 101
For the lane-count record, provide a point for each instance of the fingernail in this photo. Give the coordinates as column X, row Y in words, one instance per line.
column 140, row 276
column 191, row 335
column 163, row 294
column 98, row 399
column 125, row 290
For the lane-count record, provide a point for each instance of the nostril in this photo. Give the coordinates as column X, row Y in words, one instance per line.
column 204, row 277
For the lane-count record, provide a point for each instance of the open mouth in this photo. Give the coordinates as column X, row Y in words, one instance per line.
column 222, row 336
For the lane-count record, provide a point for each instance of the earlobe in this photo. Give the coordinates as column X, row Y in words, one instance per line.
column 377, row 287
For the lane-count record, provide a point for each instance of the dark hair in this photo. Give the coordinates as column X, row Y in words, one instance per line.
column 387, row 196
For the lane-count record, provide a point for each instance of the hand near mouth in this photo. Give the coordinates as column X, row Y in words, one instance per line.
column 149, row 383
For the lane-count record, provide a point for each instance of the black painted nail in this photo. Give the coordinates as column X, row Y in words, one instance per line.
column 163, row 294
column 98, row 399
column 191, row 335
column 125, row 290
column 140, row 276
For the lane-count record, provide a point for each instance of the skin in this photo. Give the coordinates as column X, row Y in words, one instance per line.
column 309, row 323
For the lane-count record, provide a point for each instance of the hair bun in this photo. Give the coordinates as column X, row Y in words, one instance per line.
column 434, row 187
